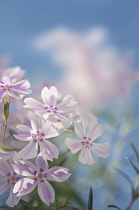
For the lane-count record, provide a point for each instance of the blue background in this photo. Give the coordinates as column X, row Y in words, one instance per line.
column 21, row 21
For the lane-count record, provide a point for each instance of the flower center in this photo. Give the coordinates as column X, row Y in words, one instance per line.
column 87, row 142
column 13, row 178
column 38, row 137
column 52, row 110
column 40, row 176
column 7, row 87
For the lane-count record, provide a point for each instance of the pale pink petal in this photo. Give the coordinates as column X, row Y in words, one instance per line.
column 24, row 186
column 12, row 199
column 46, row 192
column 48, row 150
column 22, row 87
column 4, row 168
column 14, row 94
column 5, row 154
column 33, row 104
column 49, row 130
column 73, row 145
column 80, row 129
column 97, row 131
column 24, row 168
column 36, row 121
column 2, row 93
column 101, row 149
column 24, row 133
column 15, row 73
column 58, row 174
column 91, row 127
column 85, row 157
column 67, row 104
column 49, row 96
column 6, row 80
column 66, row 121
column 29, row 151
column 42, row 164
column 59, row 127
column 45, row 114
column 25, row 128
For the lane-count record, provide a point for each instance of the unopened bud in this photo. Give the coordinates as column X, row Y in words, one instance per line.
column 6, row 98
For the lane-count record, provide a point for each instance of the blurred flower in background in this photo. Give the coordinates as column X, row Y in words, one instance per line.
column 94, row 71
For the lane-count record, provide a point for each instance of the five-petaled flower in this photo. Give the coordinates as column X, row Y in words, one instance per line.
column 8, row 179
column 38, row 175
column 49, row 109
column 15, row 90
column 86, row 145
column 37, row 136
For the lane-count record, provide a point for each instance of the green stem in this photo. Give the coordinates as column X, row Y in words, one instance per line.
column 131, row 204
column 5, row 128
column 10, row 150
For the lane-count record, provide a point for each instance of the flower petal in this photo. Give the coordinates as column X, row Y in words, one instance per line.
column 25, row 168
column 66, row 121
column 14, row 94
column 101, row 149
column 22, row 86
column 85, row 157
column 4, row 168
column 49, row 96
column 42, row 165
column 67, row 104
column 73, row 145
column 48, row 150
column 36, row 121
column 49, row 130
column 5, row 154
column 46, row 192
column 12, row 199
column 24, row 186
column 80, row 129
column 24, row 133
column 29, row 151
column 95, row 131
column 58, row 174
column 33, row 104
column 2, row 93
column 6, row 80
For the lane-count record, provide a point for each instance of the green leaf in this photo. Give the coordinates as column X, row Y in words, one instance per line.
column 136, row 152
column 65, row 205
column 132, row 164
column 113, row 206
column 127, row 178
column 90, row 200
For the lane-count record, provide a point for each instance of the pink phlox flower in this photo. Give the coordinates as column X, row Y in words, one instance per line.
column 37, row 135
column 15, row 90
column 50, row 109
column 8, row 179
column 38, row 175
column 87, row 134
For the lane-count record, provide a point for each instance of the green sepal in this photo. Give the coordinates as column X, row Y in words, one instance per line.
column 6, row 110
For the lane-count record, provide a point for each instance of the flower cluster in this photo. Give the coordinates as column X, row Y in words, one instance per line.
column 24, row 163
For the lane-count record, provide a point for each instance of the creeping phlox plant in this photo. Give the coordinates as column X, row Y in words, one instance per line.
column 24, row 159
